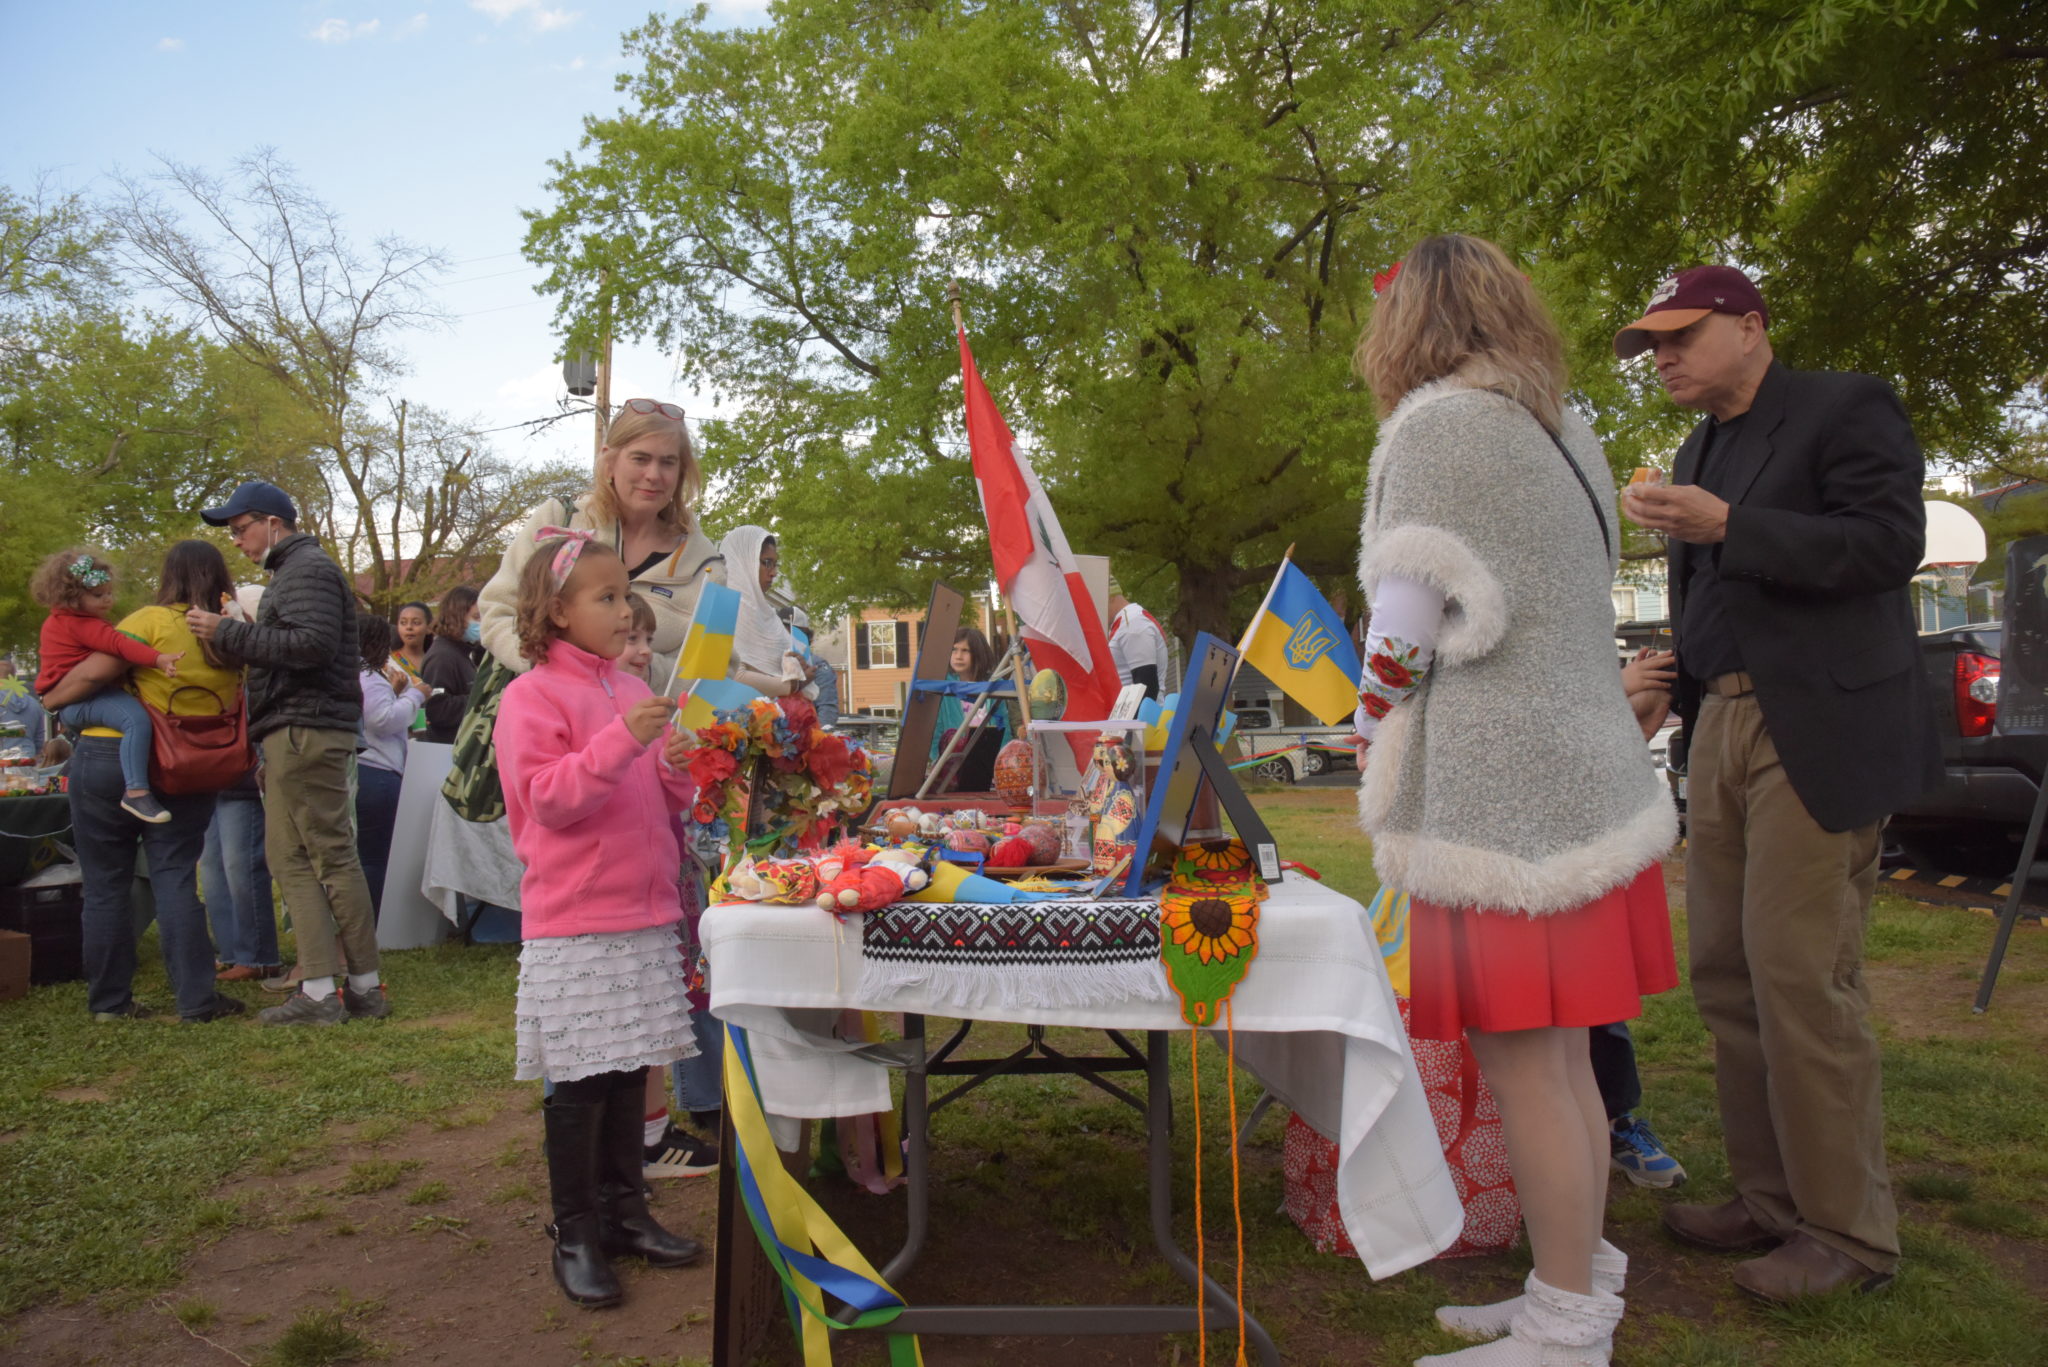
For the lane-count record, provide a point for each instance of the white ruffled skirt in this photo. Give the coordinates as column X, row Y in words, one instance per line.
column 608, row 1003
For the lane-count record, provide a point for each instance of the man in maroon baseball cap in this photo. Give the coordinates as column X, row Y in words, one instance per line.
column 1794, row 526
column 1685, row 298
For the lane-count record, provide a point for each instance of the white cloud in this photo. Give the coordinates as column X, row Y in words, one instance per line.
column 170, row 45
column 341, row 30
column 542, row 18
column 416, row 24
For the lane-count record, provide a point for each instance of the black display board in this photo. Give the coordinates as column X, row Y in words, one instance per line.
column 2023, row 653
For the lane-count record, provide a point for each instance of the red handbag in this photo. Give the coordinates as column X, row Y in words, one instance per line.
column 203, row 753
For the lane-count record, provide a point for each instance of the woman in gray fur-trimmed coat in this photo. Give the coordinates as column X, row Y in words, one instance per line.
column 1506, row 785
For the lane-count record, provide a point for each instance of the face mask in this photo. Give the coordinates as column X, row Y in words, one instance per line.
column 473, row 633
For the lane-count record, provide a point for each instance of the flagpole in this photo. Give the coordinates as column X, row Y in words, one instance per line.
column 676, row 668
column 1245, row 642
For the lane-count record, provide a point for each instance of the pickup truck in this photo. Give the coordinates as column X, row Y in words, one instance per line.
column 1973, row 821
column 1288, row 754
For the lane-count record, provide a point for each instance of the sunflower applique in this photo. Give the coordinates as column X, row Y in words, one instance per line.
column 1209, row 936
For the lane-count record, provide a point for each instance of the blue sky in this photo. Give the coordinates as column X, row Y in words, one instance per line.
column 430, row 119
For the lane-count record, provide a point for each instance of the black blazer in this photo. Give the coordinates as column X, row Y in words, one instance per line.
column 1826, row 528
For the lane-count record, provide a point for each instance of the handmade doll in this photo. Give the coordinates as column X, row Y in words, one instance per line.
column 1112, row 803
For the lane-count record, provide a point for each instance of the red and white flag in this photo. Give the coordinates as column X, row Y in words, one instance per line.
column 1034, row 566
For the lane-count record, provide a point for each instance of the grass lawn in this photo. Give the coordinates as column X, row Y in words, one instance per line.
column 128, row 1151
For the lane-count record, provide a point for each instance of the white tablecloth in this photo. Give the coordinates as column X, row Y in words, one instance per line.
column 1316, row 1021
column 469, row 857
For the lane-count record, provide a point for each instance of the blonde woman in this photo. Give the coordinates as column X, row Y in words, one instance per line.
column 641, row 503
column 1506, row 784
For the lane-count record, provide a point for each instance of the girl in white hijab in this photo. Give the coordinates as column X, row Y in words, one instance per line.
column 764, row 655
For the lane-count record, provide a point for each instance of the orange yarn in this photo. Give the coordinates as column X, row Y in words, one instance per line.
column 1236, row 1177
column 1201, row 1254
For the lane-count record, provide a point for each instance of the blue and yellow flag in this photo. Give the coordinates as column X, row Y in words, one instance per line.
column 696, row 709
column 707, row 650
column 1298, row 641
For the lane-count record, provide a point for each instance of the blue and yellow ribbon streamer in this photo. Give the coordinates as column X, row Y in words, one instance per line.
column 812, row 1257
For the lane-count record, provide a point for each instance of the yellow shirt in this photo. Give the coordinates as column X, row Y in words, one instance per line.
column 163, row 630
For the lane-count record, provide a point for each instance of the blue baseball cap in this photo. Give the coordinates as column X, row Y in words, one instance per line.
column 252, row 496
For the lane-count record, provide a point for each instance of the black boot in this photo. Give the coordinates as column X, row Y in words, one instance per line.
column 629, row 1228
column 574, row 1137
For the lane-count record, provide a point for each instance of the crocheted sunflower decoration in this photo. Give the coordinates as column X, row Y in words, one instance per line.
column 1209, row 918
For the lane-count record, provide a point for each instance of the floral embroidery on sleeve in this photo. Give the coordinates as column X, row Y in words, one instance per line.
column 1394, row 668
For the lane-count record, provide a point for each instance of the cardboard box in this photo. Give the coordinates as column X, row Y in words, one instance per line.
column 14, row 962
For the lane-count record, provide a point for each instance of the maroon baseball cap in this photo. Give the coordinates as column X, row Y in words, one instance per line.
column 1685, row 298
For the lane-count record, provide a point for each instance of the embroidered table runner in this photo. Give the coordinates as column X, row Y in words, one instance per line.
column 1015, row 955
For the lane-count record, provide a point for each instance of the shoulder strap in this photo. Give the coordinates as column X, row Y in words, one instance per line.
column 1599, row 514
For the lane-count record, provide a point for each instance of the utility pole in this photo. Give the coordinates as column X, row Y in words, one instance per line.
column 602, row 400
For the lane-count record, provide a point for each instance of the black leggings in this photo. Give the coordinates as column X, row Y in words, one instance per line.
column 591, row 1091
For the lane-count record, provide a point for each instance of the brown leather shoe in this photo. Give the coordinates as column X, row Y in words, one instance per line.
column 1726, row 1228
column 1804, row 1266
column 240, row 973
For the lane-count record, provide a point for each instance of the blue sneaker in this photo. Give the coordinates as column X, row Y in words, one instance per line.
column 1638, row 1152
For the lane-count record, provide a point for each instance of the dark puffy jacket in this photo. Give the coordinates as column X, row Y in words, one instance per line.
column 302, row 652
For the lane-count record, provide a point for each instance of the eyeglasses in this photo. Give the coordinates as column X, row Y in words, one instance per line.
column 237, row 532
column 667, row 410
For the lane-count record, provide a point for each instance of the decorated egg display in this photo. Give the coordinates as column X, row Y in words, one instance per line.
column 1013, row 775
column 1044, row 842
column 1047, row 696
column 967, row 842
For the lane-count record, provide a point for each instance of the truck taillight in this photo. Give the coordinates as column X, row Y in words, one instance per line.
column 1976, row 693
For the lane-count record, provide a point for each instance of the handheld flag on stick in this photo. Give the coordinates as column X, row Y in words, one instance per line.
column 1035, row 568
column 707, row 648
column 1297, row 640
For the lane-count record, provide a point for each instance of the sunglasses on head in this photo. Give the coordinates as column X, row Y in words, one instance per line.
column 667, row 410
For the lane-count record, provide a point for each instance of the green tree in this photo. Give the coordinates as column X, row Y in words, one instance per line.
column 1878, row 164
column 1168, row 234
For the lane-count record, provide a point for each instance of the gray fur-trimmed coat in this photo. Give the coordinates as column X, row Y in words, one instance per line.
column 1515, row 778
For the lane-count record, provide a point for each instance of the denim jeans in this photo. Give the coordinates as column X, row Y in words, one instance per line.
column 234, row 880
column 827, row 680
column 105, row 838
column 700, row 1081
column 376, row 816
column 117, row 711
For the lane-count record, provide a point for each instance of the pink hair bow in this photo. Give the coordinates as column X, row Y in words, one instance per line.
column 572, row 546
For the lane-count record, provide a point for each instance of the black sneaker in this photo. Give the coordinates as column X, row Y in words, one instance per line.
column 300, row 1009
column 133, row 1011
column 373, row 1005
column 678, row 1153
column 145, row 807
column 222, row 1008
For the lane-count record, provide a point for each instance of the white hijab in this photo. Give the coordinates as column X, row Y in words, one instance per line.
column 761, row 642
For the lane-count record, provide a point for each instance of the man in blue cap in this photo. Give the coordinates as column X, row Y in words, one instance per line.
column 305, row 710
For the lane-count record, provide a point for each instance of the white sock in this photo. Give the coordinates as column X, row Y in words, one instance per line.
column 319, row 989
column 657, row 1126
column 1552, row 1327
column 1479, row 1322
column 362, row 982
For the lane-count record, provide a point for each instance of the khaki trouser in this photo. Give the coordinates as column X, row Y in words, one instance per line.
column 1777, row 908
column 311, row 842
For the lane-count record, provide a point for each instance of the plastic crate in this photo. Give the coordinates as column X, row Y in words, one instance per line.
column 52, row 918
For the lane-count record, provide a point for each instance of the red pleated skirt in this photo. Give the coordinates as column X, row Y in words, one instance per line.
column 1493, row 971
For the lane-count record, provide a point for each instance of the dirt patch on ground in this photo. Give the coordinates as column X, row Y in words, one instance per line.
column 428, row 1243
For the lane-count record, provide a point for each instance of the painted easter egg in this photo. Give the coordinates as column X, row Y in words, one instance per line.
column 1013, row 774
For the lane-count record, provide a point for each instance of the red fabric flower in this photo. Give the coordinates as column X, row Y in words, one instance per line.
column 829, row 760
column 1382, row 279
column 1375, row 705
column 801, row 715
column 711, row 767
column 1391, row 671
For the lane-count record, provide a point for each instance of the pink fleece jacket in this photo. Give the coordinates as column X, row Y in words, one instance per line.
column 589, row 805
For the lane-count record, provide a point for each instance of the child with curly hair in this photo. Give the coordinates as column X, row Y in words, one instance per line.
column 589, row 795
column 78, row 589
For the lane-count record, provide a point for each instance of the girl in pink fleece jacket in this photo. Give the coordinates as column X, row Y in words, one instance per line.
column 589, row 795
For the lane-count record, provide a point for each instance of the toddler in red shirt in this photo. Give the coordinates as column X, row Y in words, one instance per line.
column 78, row 589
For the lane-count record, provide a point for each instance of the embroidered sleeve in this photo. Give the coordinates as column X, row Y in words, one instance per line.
column 1399, row 646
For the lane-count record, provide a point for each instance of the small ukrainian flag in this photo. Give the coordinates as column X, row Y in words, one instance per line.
column 707, row 650
column 699, row 707
column 1298, row 641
